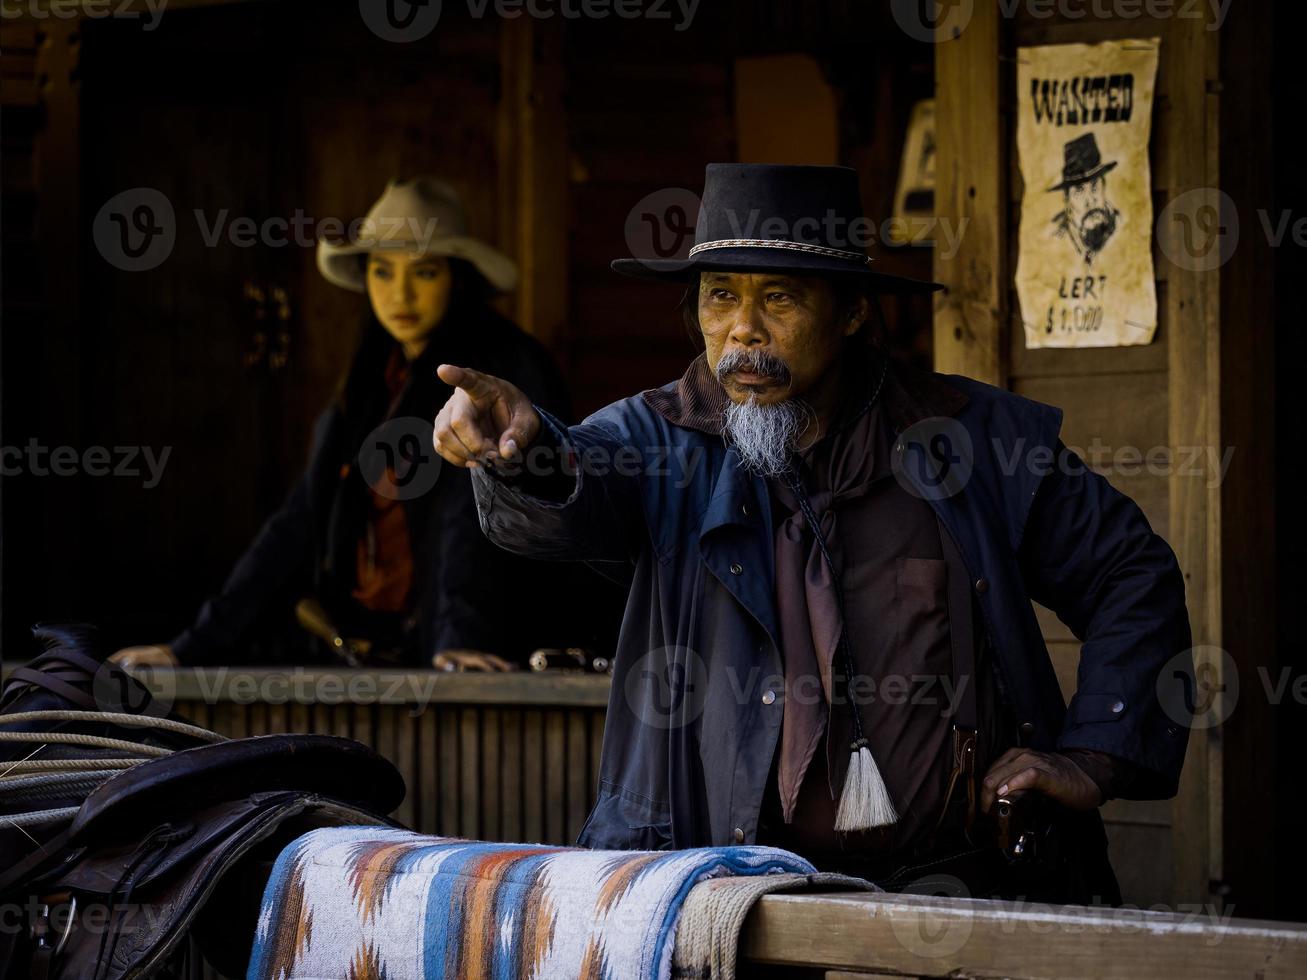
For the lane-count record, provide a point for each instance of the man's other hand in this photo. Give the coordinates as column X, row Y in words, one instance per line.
column 1021, row 771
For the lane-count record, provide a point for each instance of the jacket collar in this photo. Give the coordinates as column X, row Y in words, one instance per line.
column 697, row 401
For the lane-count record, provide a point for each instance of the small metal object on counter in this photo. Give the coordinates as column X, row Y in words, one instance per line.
column 573, row 660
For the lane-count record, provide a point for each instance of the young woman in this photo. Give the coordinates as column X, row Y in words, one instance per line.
column 381, row 557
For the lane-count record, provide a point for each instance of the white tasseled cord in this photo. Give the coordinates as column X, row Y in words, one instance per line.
column 865, row 801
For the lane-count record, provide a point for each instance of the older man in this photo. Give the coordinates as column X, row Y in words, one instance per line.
column 829, row 642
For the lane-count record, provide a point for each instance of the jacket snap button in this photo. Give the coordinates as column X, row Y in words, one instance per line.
column 744, row 509
column 739, row 835
column 982, row 585
column 1118, row 707
column 769, row 697
column 736, row 568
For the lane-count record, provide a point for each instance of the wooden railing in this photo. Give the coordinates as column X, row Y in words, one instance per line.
column 839, row 937
column 488, row 756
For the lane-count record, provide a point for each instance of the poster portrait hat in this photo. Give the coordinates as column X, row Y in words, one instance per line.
column 1081, row 162
column 777, row 218
column 419, row 214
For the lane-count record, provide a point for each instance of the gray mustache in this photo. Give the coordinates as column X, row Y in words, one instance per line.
column 755, row 361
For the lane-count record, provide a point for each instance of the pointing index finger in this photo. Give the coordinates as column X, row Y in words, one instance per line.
column 476, row 384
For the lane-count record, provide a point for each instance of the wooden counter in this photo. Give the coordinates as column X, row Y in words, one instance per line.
column 851, row 935
column 489, row 756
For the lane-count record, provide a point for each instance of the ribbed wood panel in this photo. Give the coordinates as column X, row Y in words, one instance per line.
column 488, row 772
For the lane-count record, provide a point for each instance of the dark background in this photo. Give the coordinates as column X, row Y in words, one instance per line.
column 266, row 109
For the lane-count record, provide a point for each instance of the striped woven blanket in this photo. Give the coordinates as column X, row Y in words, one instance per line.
column 365, row 903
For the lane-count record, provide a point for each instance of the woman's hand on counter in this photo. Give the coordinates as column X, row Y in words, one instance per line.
column 155, row 655
column 470, row 660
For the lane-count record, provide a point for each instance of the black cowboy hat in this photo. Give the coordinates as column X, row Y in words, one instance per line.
column 1081, row 162
column 757, row 217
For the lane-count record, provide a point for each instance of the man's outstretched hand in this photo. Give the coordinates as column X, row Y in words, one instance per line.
column 486, row 418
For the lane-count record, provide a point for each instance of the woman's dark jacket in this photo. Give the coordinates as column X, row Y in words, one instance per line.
column 308, row 547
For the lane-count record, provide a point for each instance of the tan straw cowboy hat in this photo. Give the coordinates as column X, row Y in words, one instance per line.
column 421, row 214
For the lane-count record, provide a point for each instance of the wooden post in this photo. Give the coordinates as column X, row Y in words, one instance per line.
column 534, row 175
column 1194, row 419
column 970, row 187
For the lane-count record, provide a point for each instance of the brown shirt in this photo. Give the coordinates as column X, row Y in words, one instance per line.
column 885, row 542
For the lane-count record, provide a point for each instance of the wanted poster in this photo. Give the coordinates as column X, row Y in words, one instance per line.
column 1084, row 272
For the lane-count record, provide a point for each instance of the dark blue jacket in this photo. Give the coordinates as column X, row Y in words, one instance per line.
column 689, row 740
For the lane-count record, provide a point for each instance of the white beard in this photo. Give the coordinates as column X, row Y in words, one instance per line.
column 766, row 435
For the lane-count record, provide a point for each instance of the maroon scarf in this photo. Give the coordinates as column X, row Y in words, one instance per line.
column 837, row 469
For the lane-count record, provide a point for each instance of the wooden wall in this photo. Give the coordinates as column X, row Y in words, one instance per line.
column 1122, row 398
column 269, row 110
column 1163, row 394
column 39, row 119
column 642, row 120
column 552, row 130
column 647, row 108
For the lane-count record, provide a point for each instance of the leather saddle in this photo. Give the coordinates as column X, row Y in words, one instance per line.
column 168, row 854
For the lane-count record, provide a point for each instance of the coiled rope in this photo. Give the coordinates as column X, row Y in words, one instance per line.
column 117, row 718
column 33, row 780
column 90, row 741
column 66, row 765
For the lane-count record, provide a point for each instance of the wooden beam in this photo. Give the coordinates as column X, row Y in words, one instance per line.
column 948, row 937
column 970, row 194
column 315, row 685
column 533, row 150
column 1194, row 419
